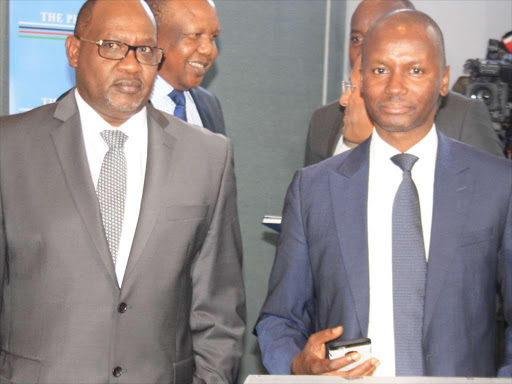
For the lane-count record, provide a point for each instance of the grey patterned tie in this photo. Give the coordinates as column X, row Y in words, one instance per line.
column 111, row 189
column 409, row 273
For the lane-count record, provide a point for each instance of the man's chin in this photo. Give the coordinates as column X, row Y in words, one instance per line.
column 392, row 128
column 396, row 125
column 124, row 105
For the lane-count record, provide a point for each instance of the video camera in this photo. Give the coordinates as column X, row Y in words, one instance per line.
column 491, row 81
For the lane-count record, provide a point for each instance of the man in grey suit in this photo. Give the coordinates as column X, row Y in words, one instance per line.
column 156, row 296
column 187, row 31
column 353, row 222
column 458, row 117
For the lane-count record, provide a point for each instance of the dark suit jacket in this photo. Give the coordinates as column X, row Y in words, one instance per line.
column 320, row 276
column 183, row 286
column 458, row 117
column 209, row 109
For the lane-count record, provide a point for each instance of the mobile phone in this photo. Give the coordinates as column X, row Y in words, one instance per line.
column 362, row 346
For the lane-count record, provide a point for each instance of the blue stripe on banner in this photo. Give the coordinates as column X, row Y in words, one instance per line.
column 46, row 29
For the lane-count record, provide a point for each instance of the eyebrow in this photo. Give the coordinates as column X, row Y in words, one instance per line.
column 147, row 41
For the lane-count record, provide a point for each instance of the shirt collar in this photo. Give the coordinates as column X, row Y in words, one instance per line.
column 425, row 149
column 161, row 88
column 94, row 123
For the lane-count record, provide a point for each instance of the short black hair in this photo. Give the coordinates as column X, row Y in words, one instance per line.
column 84, row 17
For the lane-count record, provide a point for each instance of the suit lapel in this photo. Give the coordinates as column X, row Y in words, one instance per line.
column 158, row 171
column 349, row 196
column 452, row 194
column 202, row 108
column 70, row 148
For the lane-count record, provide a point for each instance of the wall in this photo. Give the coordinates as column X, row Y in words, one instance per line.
column 269, row 78
column 467, row 26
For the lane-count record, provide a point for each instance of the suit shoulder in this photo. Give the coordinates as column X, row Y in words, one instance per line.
column 324, row 119
column 327, row 111
column 481, row 159
column 203, row 93
column 33, row 120
column 196, row 135
column 454, row 100
column 327, row 165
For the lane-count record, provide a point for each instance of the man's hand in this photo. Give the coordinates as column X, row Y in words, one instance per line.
column 311, row 360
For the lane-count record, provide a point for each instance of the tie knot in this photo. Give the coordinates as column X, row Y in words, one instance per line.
column 178, row 97
column 114, row 138
column 405, row 161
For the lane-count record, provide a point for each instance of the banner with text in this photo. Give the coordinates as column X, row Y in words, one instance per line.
column 38, row 67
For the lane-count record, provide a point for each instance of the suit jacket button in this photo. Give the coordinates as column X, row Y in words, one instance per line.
column 122, row 308
column 117, row 371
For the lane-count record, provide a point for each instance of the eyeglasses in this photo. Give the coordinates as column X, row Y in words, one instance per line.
column 346, row 85
column 116, row 50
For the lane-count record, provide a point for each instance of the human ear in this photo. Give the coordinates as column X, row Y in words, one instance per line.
column 73, row 50
column 445, row 81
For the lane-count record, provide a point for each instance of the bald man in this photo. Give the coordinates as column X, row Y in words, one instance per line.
column 404, row 239
column 458, row 117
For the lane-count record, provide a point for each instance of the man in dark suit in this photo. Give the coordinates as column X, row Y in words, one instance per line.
column 187, row 31
column 411, row 231
column 458, row 117
column 120, row 250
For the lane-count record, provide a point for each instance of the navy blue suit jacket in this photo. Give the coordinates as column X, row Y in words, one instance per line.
column 320, row 275
column 209, row 109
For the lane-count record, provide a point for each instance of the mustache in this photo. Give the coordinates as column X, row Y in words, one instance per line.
column 395, row 100
column 128, row 83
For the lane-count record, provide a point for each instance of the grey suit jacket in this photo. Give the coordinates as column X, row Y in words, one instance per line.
column 320, row 277
column 59, row 319
column 209, row 109
column 458, row 117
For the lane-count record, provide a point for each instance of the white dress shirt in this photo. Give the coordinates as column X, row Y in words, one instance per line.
column 161, row 100
column 384, row 179
column 340, row 147
column 135, row 148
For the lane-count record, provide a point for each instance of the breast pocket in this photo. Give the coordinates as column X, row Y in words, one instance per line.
column 187, row 212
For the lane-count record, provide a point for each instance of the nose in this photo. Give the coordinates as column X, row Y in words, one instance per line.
column 395, row 84
column 207, row 46
column 130, row 63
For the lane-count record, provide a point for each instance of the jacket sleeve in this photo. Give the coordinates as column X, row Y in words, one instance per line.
column 286, row 318
column 505, row 282
column 218, row 310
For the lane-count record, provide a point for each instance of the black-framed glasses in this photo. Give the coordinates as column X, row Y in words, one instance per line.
column 116, row 50
column 346, row 85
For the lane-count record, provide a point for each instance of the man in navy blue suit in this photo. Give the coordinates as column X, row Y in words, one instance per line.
column 187, row 31
column 335, row 263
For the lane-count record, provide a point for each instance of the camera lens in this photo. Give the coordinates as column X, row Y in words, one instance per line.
column 483, row 93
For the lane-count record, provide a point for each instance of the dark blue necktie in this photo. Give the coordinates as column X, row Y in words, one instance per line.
column 179, row 99
column 409, row 273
